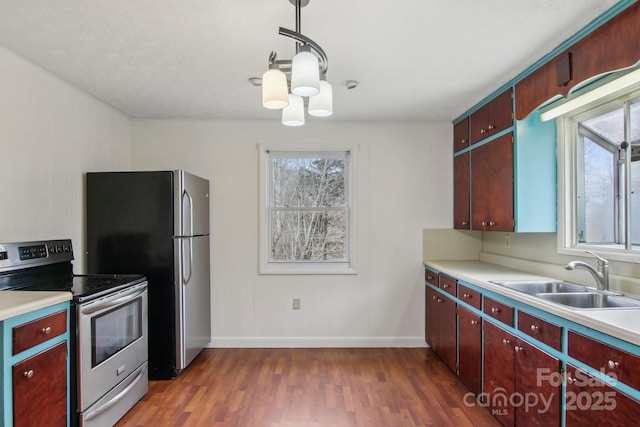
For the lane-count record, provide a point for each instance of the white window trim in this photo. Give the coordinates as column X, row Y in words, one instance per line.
column 264, row 180
column 567, row 129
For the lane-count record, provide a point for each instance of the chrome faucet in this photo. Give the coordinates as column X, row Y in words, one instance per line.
column 601, row 274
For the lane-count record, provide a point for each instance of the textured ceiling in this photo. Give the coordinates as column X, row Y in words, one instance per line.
column 190, row 59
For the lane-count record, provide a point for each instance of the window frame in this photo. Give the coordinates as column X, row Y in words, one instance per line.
column 265, row 264
column 567, row 151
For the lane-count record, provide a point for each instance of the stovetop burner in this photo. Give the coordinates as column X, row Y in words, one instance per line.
column 46, row 266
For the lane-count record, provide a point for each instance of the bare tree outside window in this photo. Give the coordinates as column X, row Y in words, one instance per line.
column 308, row 207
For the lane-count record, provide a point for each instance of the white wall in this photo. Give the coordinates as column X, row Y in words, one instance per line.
column 404, row 186
column 50, row 134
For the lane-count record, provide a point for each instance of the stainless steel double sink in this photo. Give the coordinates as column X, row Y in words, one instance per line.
column 570, row 294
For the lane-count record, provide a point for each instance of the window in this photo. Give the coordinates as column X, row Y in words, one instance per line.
column 306, row 220
column 599, row 202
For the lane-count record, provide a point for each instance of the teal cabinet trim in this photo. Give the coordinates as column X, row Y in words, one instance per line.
column 596, row 23
column 535, row 187
column 9, row 359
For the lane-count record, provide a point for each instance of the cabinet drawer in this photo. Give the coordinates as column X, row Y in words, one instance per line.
column 431, row 277
column 539, row 329
column 498, row 310
column 38, row 331
column 613, row 361
column 461, row 135
column 469, row 296
column 448, row 284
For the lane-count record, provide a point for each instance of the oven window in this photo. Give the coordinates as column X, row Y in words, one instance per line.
column 114, row 330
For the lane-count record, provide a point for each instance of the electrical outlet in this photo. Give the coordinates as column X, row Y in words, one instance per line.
column 507, row 241
column 296, row 303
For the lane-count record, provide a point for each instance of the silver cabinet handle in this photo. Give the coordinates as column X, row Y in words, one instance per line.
column 467, row 296
column 434, row 297
column 506, row 342
column 483, row 131
column 29, row 373
column 474, row 322
column 491, row 127
column 517, row 348
column 613, row 365
column 463, row 141
column 46, row 331
column 429, row 277
column 465, row 223
column 491, row 223
column 535, row 328
column 495, row 310
column 445, row 286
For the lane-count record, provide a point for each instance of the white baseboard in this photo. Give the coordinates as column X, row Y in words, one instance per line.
column 315, row 342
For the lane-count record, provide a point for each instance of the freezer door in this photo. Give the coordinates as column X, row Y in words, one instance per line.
column 191, row 205
column 193, row 298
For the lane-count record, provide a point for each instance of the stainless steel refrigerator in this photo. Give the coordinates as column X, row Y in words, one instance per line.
column 157, row 224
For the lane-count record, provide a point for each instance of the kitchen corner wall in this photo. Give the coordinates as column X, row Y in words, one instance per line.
column 51, row 133
column 403, row 185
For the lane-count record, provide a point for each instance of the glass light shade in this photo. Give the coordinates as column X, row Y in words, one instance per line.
column 293, row 115
column 321, row 105
column 305, row 74
column 275, row 94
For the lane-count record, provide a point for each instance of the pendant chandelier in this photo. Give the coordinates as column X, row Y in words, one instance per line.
column 290, row 83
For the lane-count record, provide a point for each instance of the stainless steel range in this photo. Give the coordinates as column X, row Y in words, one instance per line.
column 109, row 364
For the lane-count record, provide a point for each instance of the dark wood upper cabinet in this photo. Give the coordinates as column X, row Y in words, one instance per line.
column 461, row 135
column 492, row 185
column 613, row 46
column 461, row 192
column 493, row 117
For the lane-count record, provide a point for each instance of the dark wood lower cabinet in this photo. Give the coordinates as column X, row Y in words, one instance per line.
column 538, row 383
column 469, row 349
column 522, row 383
column 499, row 372
column 588, row 401
column 40, row 389
column 440, row 330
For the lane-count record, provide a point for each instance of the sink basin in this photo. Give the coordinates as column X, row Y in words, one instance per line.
column 585, row 300
column 541, row 287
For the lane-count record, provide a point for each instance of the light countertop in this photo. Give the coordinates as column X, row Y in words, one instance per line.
column 621, row 323
column 15, row 303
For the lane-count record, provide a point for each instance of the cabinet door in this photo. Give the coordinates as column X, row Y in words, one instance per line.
column 499, row 372
column 469, row 349
column 500, row 112
column 461, row 192
column 492, row 185
column 493, row 117
column 40, row 389
column 461, row 135
column 432, row 320
column 588, row 401
column 538, row 380
column 448, row 339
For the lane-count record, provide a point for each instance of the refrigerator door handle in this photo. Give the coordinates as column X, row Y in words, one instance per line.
column 186, row 280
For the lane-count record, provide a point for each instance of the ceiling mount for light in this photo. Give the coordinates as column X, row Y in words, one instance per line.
column 287, row 81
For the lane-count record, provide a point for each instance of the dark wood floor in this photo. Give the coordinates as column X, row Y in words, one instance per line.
column 310, row 387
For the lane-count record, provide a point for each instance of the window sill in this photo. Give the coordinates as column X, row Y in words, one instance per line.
column 307, row 268
column 609, row 252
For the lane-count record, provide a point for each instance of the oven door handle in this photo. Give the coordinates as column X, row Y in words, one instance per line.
column 95, row 412
column 118, row 301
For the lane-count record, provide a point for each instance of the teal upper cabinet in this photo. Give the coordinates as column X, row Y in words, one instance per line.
column 535, row 168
